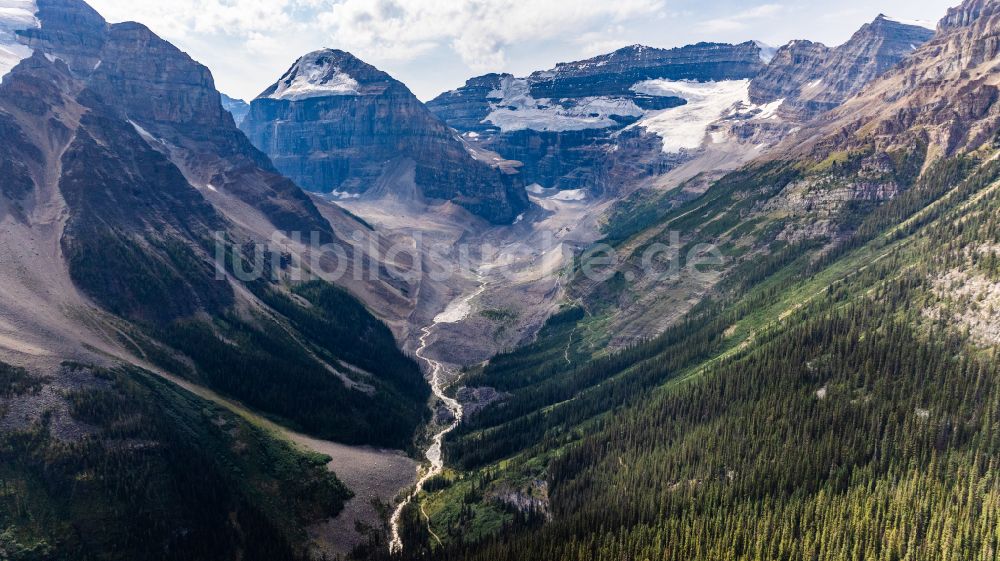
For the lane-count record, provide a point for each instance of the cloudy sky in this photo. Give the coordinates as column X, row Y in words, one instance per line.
column 435, row 45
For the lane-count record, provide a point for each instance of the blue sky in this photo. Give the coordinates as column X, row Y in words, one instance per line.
column 435, row 45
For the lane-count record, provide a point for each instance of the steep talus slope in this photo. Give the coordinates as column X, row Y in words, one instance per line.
column 832, row 396
column 335, row 124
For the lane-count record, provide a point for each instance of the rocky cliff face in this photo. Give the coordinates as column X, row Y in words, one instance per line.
column 615, row 74
column 337, row 125
column 69, row 30
column 187, row 118
column 967, row 14
column 812, row 78
column 560, row 123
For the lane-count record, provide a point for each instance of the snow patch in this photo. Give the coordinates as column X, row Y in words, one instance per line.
column 314, row 76
column 552, row 194
column 15, row 15
column 514, row 109
column 570, row 195
column 455, row 312
column 914, row 22
column 769, row 110
column 146, row 135
column 344, row 195
column 686, row 127
column 767, row 52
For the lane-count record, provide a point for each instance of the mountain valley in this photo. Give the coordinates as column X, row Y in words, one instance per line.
column 718, row 301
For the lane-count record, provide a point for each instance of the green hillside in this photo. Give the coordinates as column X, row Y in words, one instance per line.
column 834, row 398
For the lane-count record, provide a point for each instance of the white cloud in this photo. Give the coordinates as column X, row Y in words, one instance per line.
column 741, row 20
column 435, row 45
column 179, row 18
column 478, row 31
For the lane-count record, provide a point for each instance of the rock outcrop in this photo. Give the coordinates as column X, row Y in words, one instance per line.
column 335, row 124
column 615, row 73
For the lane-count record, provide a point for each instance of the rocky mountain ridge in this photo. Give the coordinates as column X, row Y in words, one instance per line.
column 940, row 101
column 133, row 199
column 146, row 267
column 812, row 78
column 617, row 121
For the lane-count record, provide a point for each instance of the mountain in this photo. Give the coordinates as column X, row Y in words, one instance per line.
column 559, row 123
column 143, row 336
column 942, row 100
column 838, row 369
column 786, row 345
column 596, row 93
column 335, row 124
column 625, row 120
column 812, row 78
column 236, row 107
column 177, row 174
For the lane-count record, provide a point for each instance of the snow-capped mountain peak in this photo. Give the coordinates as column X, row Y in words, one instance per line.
column 317, row 74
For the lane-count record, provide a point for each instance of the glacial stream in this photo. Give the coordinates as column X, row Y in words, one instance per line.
column 455, row 312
